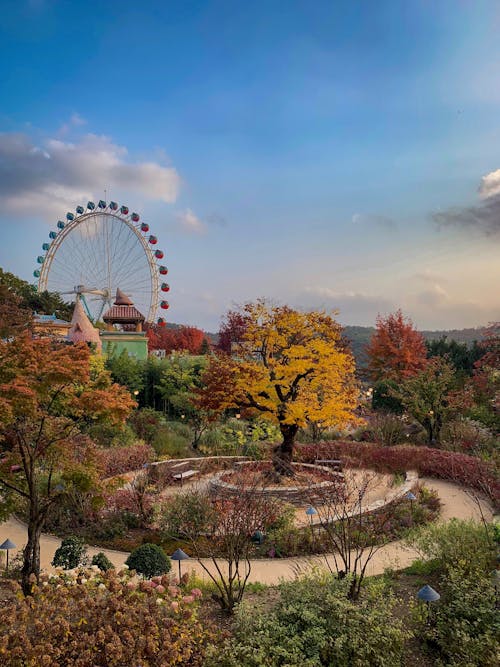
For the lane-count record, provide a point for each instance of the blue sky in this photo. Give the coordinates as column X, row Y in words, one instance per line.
column 329, row 154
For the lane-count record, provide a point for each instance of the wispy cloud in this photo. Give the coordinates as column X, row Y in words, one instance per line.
column 45, row 177
column 371, row 219
column 483, row 218
column 353, row 307
column 189, row 222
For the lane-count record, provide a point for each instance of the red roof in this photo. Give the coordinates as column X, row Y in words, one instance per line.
column 123, row 314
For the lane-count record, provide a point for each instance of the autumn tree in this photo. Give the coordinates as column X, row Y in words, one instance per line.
column 487, row 369
column 33, row 300
column 290, row 367
column 14, row 317
column 47, row 394
column 396, row 350
column 432, row 397
column 183, row 338
column 231, row 331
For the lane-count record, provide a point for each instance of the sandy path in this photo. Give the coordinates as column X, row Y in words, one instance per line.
column 456, row 503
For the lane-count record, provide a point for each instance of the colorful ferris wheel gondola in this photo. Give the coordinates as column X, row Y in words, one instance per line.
column 163, row 270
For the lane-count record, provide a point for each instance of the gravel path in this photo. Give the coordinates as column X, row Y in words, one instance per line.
column 456, row 503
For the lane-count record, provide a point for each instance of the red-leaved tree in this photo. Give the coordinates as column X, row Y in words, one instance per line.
column 396, row 350
column 189, row 339
column 47, row 394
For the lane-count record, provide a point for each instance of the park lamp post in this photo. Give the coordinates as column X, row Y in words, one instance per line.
column 7, row 546
column 411, row 497
column 310, row 511
column 179, row 555
column 427, row 594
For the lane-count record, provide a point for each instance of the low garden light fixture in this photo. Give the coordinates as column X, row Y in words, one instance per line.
column 411, row 497
column 427, row 594
column 179, row 555
column 310, row 511
column 258, row 537
column 7, row 546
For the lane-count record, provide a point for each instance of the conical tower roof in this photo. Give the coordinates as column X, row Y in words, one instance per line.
column 122, row 299
column 81, row 330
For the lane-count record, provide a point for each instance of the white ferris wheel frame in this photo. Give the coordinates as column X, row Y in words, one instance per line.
column 78, row 219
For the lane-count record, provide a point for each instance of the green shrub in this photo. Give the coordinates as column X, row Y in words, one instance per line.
column 314, row 624
column 102, row 562
column 149, row 560
column 70, row 554
column 186, row 514
column 387, row 430
column 384, row 399
column 466, row 546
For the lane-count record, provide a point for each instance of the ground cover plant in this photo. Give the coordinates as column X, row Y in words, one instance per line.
column 313, row 623
column 463, row 627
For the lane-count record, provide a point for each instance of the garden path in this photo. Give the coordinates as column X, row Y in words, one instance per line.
column 457, row 502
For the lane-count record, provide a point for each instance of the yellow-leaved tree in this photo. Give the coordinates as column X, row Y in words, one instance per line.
column 290, row 367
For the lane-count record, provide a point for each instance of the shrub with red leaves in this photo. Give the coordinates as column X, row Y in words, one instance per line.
column 452, row 466
column 119, row 460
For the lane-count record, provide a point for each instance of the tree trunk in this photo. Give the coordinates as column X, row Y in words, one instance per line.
column 31, row 555
column 283, row 453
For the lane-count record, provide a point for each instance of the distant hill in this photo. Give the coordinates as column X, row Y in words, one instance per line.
column 359, row 337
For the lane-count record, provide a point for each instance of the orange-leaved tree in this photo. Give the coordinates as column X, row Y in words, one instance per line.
column 396, row 350
column 290, row 367
column 47, row 393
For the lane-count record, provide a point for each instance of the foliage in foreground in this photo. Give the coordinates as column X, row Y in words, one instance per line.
column 464, row 626
column 106, row 620
column 314, row 624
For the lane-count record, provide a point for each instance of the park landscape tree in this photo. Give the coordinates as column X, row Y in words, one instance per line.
column 396, row 350
column 290, row 367
column 47, row 395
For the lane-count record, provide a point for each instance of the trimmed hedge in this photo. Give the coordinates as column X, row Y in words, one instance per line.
column 453, row 466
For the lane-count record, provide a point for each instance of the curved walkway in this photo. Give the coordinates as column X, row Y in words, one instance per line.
column 456, row 503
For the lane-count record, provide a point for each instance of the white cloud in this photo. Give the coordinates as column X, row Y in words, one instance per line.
column 490, row 184
column 189, row 222
column 45, row 179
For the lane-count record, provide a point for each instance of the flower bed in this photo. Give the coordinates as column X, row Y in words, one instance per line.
column 459, row 468
column 254, row 477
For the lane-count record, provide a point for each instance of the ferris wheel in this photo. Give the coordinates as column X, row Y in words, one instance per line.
column 99, row 249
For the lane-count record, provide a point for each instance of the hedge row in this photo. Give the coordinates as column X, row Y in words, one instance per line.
column 453, row 466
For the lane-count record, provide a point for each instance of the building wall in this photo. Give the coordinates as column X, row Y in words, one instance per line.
column 134, row 343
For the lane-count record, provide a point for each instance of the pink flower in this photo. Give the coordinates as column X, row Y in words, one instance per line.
column 188, row 599
column 174, row 606
column 196, row 593
column 160, row 588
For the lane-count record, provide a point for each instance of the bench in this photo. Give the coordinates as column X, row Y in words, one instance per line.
column 181, row 476
column 336, row 464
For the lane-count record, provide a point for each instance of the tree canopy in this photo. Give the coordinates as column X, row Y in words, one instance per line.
column 291, row 367
column 396, row 350
column 47, row 395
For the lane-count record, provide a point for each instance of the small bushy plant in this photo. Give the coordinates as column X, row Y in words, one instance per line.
column 149, row 560
column 102, row 562
column 70, row 554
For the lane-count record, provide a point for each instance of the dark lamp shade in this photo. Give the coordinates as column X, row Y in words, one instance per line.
column 428, row 594
column 179, row 554
column 8, row 544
